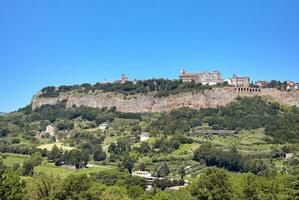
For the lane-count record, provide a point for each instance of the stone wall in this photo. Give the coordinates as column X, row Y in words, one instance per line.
column 149, row 103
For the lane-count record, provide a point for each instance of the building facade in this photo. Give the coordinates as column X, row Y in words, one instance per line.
column 290, row 85
column 123, row 79
column 262, row 84
column 205, row 78
column 240, row 81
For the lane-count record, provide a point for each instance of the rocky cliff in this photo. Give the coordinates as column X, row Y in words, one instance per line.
column 149, row 103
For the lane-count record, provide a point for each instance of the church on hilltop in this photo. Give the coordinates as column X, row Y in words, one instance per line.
column 205, row 78
column 213, row 78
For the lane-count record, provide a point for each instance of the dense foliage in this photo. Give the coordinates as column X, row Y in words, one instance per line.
column 162, row 87
column 230, row 160
column 245, row 113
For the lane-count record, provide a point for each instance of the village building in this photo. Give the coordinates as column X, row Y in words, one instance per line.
column 50, row 130
column 289, row 156
column 123, row 79
column 240, row 81
column 205, row 78
column 148, row 176
column 103, row 126
column 143, row 174
column 290, row 85
column 144, row 136
column 262, row 84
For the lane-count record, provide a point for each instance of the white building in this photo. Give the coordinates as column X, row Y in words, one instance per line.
column 103, row 126
column 205, row 78
column 144, row 136
column 143, row 174
column 290, row 156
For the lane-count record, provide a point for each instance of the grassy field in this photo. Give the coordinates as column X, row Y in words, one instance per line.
column 58, row 144
column 186, row 149
column 51, row 168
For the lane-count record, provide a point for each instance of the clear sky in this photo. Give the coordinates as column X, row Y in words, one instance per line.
column 62, row 42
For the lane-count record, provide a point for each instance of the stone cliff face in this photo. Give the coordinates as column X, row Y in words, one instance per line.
column 149, row 103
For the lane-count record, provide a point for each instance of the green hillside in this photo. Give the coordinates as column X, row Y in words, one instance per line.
column 234, row 152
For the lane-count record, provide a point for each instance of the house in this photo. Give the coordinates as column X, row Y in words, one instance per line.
column 240, row 81
column 123, row 79
column 103, row 126
column 143, row 174
column 289, row 85
column 289, row 156
column 262, row 84
column 205, row 78
column 50, row 130
column 144, row 136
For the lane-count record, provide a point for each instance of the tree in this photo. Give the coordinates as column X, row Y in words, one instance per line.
column 212, row 184
column 36, row 159
column 115, row 193
column 3, row 132
column 44, row 186
column 144, row 148
column 142, row 166
column 163, row 170
column 182, row 172
column 99, row 154
column 85, row 158
column 74, row 187
column 55, row 153
column 135, row 191
column 128, row 163
column 250, row 187
column 12, row 187
column 2, row 167
column 27, row 168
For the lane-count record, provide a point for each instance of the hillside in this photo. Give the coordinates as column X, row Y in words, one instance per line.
column 136, row 102
column 95, row 139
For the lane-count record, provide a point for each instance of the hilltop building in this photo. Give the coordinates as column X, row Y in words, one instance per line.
column 240, row 81
column 290, row 85
column 123, row 79
column 262, row 84
column 205, row 78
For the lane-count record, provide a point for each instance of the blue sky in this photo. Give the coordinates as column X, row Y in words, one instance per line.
column 55, row 42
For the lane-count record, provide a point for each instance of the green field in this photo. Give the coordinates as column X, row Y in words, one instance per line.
column 186, row 149
column 58, row 144
column 51, row 168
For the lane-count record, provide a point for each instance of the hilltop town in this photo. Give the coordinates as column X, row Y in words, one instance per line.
column 215, row 77
column 157, row 135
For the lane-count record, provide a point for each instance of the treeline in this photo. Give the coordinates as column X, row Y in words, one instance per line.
column 162, row 87
column 59, row 111
column 232, row 160
column 244, row 113
column 215, row 184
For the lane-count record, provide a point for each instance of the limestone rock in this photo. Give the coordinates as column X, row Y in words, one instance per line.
column 139, row 103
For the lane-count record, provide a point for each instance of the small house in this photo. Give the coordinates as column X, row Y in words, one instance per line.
column 144, row 136
column 290, row 156
column 103, row 126
column 143, row 174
